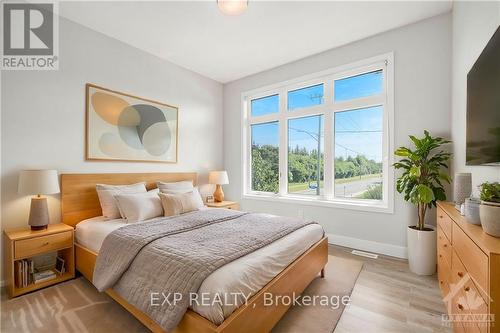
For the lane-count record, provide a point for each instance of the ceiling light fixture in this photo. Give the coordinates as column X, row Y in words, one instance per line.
column 232, row 7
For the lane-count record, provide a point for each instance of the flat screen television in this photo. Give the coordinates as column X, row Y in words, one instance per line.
column 483, row 106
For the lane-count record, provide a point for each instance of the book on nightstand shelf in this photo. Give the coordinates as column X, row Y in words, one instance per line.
column 26, row 274
column 44, row 276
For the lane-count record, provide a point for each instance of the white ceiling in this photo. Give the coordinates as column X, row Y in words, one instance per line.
column 197, row 36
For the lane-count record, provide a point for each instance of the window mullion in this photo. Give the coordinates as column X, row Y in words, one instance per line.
column 329, row 152
column 283, row 148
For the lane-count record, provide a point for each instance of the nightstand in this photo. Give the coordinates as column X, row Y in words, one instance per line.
column 24, row 243
column 224, row 204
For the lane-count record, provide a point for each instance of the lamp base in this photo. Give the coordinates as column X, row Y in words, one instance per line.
column 39, row 213
column 218, row 194
column 35, row 228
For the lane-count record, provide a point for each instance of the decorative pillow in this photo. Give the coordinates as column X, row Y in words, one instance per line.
column 177, row 187
column 139, row 206
column 107, row 193
column 180, row 203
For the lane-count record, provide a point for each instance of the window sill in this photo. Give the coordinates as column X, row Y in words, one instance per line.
column 367, row 206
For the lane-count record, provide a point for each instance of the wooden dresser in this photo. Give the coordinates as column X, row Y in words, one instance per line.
column 468, row 271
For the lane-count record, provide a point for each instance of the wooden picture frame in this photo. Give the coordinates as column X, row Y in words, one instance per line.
column 121, row 127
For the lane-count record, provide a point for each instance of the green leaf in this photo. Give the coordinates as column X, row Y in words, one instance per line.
column 402, row 151
column 425, row 194
column 444, row 177
column 415, row 171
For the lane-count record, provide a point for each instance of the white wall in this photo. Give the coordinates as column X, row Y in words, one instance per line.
column 43, row 113
column 422, row 101
column 473, row 25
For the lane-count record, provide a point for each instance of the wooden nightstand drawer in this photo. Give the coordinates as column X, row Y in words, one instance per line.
column 224, row 204
column 235, row 207
column 29, row 247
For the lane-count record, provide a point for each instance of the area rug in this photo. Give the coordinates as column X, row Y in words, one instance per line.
column 76, row 306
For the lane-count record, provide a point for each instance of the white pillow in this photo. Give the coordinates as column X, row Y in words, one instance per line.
column 180, row 203
column 196, row 195
column 179, row 187
column 107, row 193
column 140, row 206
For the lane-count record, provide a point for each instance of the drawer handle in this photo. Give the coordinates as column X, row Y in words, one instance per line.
column 445, row 245
column 45, row 244
column 441, row 216
column 460, row 274
column 460, row 306
column 440, row 256
column 467, row 289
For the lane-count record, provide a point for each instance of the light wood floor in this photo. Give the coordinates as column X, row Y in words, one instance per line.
column 387, row 297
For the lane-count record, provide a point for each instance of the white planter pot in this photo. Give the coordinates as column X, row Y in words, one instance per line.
column 422, row 250
column 490, row 218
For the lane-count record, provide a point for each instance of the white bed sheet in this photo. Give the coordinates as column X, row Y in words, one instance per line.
column 244, row 276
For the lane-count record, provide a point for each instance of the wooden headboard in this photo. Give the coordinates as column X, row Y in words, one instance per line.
column 79, row 199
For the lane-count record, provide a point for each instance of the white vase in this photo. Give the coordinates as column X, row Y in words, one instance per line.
column 422, row 250
column 489, row 213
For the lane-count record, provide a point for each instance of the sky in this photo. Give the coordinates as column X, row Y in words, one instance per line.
column 356, row 131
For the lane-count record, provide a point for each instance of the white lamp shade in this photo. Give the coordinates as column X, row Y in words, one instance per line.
column 232, row 7
column 38, row 182
column 218, row 177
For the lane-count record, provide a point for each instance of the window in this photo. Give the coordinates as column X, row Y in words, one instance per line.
column 358, row 153
column 305, row 155
column 265, row 157
column 363, row 85
column 265, row 105
column 305, row 97
column 324, row 141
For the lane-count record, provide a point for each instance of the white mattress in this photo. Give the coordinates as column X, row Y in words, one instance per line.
column 244, row 276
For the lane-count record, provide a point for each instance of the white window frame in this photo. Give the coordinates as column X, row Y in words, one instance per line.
column 327, row 109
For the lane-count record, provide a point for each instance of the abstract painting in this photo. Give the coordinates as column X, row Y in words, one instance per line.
column 123, row 127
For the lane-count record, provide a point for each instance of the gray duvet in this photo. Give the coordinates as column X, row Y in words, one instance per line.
column 172, row 256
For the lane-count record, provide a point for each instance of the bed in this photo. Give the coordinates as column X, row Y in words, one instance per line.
column 290, row 263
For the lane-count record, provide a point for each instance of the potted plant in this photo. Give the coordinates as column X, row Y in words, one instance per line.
column 489, row 210
column 421, row 184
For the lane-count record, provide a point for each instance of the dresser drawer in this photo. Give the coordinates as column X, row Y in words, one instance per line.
column 445, row 222
column 443, row 246
column 444, row 274
column 477, row 306
column 34, row 246
column 474, row 260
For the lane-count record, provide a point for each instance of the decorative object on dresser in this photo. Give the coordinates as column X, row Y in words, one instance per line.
column 22, row 246
column 489, row 210
column 224, row 204
column 218, row 178
column 129, row 128
column 462, row 188
column 421, row 183
column 468, row 272
column 472, row 211
column 38, row 182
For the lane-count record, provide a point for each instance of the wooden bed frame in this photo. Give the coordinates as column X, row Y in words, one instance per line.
column 79, row 201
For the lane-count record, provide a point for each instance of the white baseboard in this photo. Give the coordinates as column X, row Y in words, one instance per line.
column 366, row 245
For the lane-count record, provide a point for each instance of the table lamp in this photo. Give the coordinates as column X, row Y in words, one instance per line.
column 38, row 182
column 218, row 178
